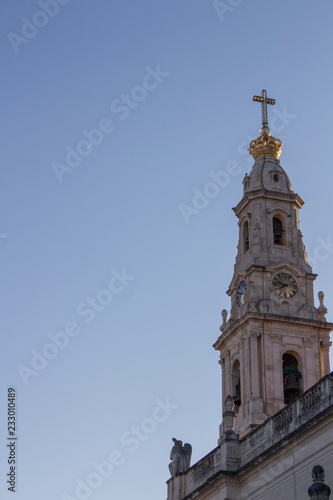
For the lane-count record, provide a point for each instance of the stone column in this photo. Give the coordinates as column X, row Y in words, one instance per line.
column 308, row 371
column 224, row 386
column 227, row 375
column 242, row 375
column 226, row 382
column 277, row 380
column 246, row 373
column 254, row 364
column 325, row 356
column 256, row 406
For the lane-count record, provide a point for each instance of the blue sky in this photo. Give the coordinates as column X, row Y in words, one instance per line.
column 111, row 221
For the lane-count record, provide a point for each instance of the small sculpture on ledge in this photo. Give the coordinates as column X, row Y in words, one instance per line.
column 319, row 490
column 224, row 315
column 322, row 310
column 180, row 456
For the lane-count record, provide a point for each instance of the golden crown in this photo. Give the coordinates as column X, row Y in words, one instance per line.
column 265, row 144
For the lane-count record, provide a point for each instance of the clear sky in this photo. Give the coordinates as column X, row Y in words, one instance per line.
column 155, row 96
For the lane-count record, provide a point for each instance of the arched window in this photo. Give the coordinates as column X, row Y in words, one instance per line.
column 246, row 236
column 236, row 386
column 278, row 236
column 291, row 377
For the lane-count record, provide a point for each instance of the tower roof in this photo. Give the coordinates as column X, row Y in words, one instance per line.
column 267, row 173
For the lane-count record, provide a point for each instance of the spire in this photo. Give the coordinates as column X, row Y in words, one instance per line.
column 264, row 100
column 265, row 144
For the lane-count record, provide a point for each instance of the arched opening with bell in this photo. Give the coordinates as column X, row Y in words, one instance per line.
column 292, row 377
column 278, row 231
column 236, row 385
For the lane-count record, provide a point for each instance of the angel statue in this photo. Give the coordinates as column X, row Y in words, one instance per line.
column 180, row 456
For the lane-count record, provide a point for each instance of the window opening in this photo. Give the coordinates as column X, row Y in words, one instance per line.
column 246, row 236
column 291, row 378
column 277, row 231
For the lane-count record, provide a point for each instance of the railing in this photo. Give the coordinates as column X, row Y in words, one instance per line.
column 311, row 399
column 203, row 467
column 283, row 419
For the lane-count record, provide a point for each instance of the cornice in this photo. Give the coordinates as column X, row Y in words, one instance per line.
column 261, row 317
column 265, row 193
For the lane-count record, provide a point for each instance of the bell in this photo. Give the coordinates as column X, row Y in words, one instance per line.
column 291, row 388
column 237, row 398
column 278, row 232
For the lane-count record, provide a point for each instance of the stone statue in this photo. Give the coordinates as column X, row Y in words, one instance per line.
column 180, row 456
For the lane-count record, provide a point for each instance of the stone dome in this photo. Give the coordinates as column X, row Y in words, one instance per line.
column 267, row 173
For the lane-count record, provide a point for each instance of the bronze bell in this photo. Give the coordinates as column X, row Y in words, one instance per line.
column 277, row 231
column 237, row 398
column 291, row 388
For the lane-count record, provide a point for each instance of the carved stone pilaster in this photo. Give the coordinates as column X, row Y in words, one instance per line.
column 226, row 374
column 309, row 373
column 256, row 234
column 276, row 338
column 325, row 355
column 253, row 336
column 308, row 343
column 326, row 344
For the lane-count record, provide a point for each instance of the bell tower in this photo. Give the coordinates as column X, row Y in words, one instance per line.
column 275, row 344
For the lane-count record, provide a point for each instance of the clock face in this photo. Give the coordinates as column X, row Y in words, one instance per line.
column 285, row 285
column 241, row 293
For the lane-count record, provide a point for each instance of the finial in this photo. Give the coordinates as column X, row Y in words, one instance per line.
column 322, row 310
column 319, row 489
column 264, row 100
column 318, row 474
column 224, row 314
column 229, row 414
column 266, row 144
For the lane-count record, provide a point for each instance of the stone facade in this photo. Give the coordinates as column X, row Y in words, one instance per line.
column 277, row 389
column 273, row 461
column 266, row 323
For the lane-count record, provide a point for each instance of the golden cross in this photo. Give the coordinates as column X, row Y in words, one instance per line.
column 264, row 101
